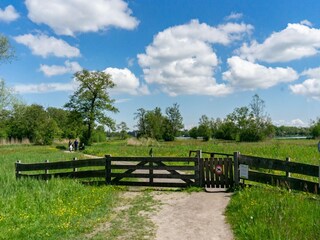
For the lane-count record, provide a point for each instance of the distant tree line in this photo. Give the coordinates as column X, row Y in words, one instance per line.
column 248, row 123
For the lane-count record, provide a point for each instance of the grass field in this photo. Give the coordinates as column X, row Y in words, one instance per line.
column 67, row 209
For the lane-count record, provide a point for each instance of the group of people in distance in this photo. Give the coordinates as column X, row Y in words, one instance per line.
column 74, row 146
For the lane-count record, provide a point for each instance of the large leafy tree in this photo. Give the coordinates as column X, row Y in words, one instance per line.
column 91, row 100
column 174, row 122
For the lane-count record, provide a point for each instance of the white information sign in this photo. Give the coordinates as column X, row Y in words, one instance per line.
column 244, row 171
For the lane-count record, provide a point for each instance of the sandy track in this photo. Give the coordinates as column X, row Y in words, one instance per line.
column 196, row 215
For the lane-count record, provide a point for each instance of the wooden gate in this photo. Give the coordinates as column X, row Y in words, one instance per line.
column 217, row 172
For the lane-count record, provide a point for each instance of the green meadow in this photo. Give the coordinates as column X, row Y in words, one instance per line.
column 68, row 209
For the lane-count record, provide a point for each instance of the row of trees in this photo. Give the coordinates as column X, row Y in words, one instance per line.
column 42, row 126
column 243, row 124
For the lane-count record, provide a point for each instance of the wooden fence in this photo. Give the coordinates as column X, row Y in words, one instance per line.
column 181, row 172
column 129, row 171
column 277, row 172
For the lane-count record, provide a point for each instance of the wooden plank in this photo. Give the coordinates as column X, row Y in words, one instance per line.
column 231, row 170
column 142, row 163
column 154, row 184
column 147, row 167
column 79, row 174
column 207, row 172
column 221, row 176
column 236, row 168
column 108, row 169
column 154, row 159
column 155, row 175
column 226, row 172
column 197, row 174
column 216, row 179
column 151, row 172
column 60, row 165
column 173, row 172
column 275, row 164
column 292, row 183
column 212, row 173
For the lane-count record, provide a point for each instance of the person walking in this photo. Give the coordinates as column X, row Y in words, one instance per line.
column 70, row 146
column 76, row 143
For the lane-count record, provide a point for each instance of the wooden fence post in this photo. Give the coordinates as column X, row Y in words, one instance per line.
column 151, row 167
column 46, row 171
column 74, row 169
column 236, row 156
column 288, row 174
column 108, row 169
column 200, row 165
column 17, row 172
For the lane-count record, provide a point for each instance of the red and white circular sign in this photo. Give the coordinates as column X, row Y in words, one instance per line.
column 219, row 169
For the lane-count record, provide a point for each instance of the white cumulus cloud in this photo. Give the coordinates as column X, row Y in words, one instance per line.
column 309, row 88
column 234, row 16
column 77, row 16
column 69, row 67
column 45, row 46
column 312, row 72
column 126, row 81
column 295, row 42
column 9, row 14
column 294, row 122
column 246, row 75
column 44, row 87
column 181, row 59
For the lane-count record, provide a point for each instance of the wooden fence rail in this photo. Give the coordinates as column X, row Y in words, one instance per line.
column 137, row 171
column 281, row 172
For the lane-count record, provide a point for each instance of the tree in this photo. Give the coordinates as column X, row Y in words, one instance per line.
column 6, row 50
column 193, row 132
column 204, row 129
column 154, row 123
column 173, row 124
column 33, row 122
column 257, row 106
column 7, row 96
column 91, row 100
column 123, row 129
column 315, row 129
column 140, row 115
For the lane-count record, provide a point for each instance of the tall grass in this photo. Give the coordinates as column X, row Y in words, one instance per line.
column 271, row 213
column 304, row 151
column 57, row 209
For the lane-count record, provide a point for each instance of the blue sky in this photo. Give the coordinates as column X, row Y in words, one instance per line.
column 208, row 56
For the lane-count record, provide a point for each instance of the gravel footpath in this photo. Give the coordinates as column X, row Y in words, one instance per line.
column 196, row 215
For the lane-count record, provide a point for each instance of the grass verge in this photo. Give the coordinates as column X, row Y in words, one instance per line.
column 271, row 213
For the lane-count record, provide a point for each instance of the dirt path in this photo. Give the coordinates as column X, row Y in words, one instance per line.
column 196, row 215
column 187, row 216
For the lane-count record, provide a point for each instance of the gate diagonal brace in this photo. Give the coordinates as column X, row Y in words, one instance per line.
column 117, row 179
column 175, row 172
